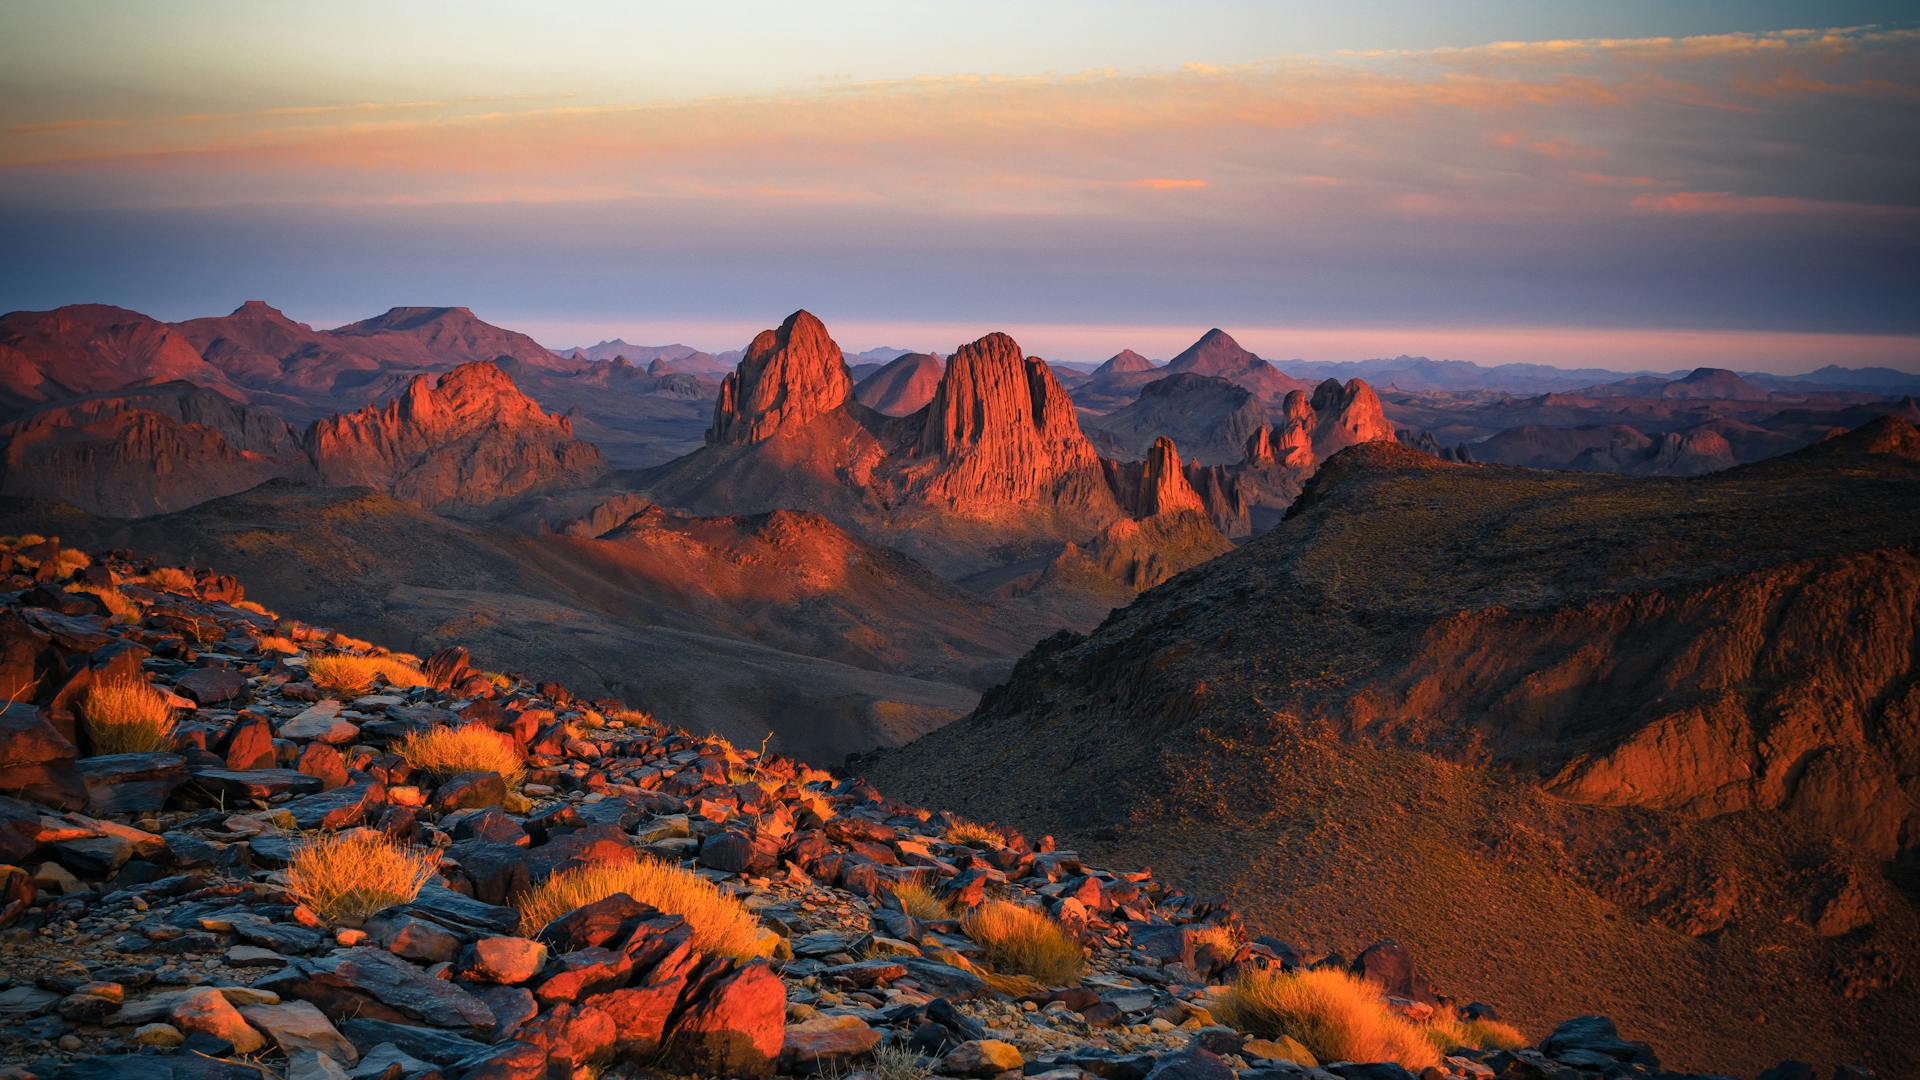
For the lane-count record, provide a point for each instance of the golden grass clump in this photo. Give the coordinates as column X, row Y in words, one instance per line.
column 1019, row 940
column 170, row 579
column 972, row 835
column 126, row 715
column 919, row 901
column 721, row 925
column 351, row 875
column 1226, row 938
column 339, row 673
column 68, row 562
column 119, row 607
column 278, row 643
column 249, row 605
column 632, row 717
column 1448, row 1032
column 444, row 751
column 1336, row 1016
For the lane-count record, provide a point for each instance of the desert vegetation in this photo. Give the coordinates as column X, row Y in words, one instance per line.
column 1336, row 1016
column 345, row 877
column 974, row 835
column 919, row 901
column 721, row 926
column 343, row 674
column 169, row 579
column 119, row 607
column 445, row 751
column 1020, row 940
column 126, row 715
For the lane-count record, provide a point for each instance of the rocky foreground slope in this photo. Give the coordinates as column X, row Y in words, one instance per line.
column 150, row 933
column 1660, row 736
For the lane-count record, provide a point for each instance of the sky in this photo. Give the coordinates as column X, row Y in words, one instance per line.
column 1629, row 184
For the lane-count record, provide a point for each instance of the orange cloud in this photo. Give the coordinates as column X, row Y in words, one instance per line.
column 1167, row 183
column 1723, row 202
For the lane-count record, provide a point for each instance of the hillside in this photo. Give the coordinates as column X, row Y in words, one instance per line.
column 1656, row 736
column 431, row 869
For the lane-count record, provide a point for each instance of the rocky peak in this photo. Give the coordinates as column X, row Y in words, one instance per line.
column 787, row 377
column 1215, row 353
column 1260, row 446
column 464, row 438
column 261, row 311
column 1001, row 427
column 1164, row 488
column 1346, row 415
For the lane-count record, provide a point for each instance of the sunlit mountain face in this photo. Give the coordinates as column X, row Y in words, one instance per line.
column 1123, row 540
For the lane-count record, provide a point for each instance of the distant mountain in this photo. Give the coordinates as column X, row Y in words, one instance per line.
column 1124, row 362
column 465, row 440
column 1210, row 418
column 1700, row 384
column 1418, row 373
column 146, row 450
column 1872, row 379
column 904, row 385
column 90, row 348
column 884, row 354
column 1217, row 354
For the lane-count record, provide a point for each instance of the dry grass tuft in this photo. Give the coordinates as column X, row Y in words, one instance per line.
column 278, row 643
column 893, row 1061
column 721, row 926
column 972, row 835
column 1226, row 938
column 169, row 579
column 1447, row 1032
column 632, row 717
column 346, row 675
column 920, row 902
column 351, row 875
column 119, row 607
column 1336, row 1016
column 1020, row 940
column 249, row 605
column 127, row 716
column 444, row 751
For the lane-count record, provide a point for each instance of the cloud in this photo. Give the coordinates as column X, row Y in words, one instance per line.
column 1168, row 183
column 1723, row 202
column 50, row 126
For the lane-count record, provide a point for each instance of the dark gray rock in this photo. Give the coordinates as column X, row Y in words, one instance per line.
column 375, row 984
column 130, row 783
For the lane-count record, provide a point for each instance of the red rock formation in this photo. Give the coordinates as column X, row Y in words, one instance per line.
column 1164, row 488
column 1346, row 416
column 787, row 377
column 1000, row 431
column 145, row 451
column 466, row 439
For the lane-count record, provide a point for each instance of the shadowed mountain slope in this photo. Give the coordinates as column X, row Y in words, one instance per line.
column 1654, row 730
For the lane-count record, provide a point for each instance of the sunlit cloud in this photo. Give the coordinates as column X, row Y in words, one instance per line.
column 1723, row 202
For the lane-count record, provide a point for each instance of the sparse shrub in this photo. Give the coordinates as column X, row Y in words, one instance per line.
column 1336, row 1016
column 1448, row 1032
column 126, row 715
column 68, row 562
column 894, row 1061
column 1225, row 937
column 444, row 751
column 920, row 902
column 1020, row 940
column 119, row 608
column 170, row 579
column 973, row 835
column 278, row 643
column 721, row 926
column 351, row 875
column 631, row 717
column 249, row 605
column 339, row 673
